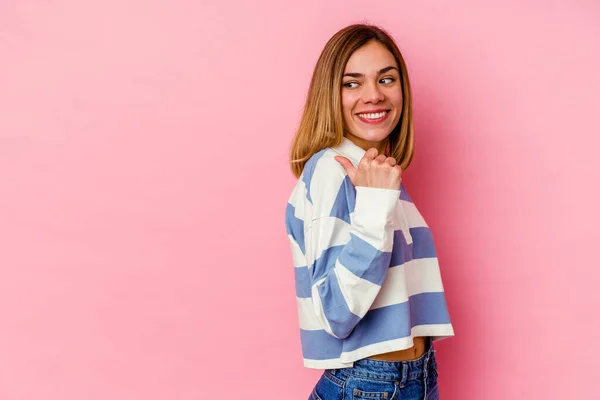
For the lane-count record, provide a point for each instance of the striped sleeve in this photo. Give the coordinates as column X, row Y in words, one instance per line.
column 348, row 257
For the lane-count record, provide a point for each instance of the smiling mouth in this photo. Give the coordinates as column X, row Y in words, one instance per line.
column 373, row 118
column 376, row 115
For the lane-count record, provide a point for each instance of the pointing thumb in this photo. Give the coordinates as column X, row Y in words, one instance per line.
column 350, row 170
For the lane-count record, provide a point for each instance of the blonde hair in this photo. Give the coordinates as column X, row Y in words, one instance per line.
column 322, row 125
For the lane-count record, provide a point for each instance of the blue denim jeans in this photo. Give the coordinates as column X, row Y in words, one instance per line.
column 374, row 379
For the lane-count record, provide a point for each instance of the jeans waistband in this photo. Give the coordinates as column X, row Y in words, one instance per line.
column 394, row 370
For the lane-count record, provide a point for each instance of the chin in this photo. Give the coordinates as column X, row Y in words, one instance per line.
column 373, row 136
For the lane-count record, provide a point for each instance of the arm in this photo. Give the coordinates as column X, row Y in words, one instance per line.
column 348, row 261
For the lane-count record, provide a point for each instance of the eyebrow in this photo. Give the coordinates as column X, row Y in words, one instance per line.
column 381, row 71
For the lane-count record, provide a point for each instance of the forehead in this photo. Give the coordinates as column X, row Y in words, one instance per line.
column 371, row 57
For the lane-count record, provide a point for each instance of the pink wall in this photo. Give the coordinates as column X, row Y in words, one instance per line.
column 130, row 132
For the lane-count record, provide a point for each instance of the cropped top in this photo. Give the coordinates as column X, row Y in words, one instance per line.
column 366, row 272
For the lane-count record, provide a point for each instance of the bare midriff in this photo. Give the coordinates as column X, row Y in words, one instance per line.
column 412, row 353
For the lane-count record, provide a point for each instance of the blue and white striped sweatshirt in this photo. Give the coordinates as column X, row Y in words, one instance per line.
column 366, row 272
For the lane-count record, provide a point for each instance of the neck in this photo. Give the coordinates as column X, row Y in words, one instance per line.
column 381, row 145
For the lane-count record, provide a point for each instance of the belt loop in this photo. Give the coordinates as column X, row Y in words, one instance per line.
column 426, row 365
column 404, row 374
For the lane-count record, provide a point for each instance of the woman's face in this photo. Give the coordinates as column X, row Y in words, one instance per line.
column 371, row 96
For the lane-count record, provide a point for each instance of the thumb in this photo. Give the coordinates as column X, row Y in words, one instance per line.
column 350, row 170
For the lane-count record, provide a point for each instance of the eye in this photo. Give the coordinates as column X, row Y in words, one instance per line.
column 389, row 80
column 348, row 85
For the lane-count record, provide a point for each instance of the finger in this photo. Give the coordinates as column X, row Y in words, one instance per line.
column 380, row 158
column 350, row 170
column 371, row 153
column 391, row 161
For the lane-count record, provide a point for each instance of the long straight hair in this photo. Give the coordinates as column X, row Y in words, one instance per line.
column 322, row 124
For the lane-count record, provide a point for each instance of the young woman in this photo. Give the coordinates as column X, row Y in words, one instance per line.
column 368, row 285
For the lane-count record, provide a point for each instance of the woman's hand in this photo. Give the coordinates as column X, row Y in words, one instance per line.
column 376, row 171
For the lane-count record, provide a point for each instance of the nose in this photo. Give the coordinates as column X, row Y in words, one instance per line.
column 372, row 93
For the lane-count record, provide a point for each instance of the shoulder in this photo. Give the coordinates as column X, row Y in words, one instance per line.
column 322, row 174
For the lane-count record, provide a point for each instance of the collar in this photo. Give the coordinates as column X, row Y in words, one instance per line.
column 350, row 150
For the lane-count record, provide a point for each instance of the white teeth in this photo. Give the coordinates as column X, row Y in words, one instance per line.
column 373, row 115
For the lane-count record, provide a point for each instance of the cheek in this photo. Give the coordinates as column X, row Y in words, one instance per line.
column 396, row 99
column 348, row 103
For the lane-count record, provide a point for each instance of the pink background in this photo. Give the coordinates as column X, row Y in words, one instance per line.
column 144, row 176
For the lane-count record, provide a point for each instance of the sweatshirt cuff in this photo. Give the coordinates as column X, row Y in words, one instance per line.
column 374, row 208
